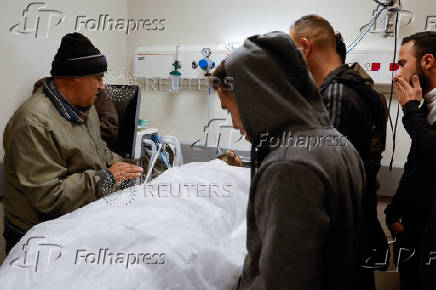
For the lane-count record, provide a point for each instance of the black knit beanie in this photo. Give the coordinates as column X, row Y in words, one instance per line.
column 77, row 57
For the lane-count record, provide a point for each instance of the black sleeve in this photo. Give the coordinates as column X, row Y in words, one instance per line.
column 355, row 122
column 424, row 138
column 393, row 211
column 332, row 96
column 107, row 181
column 420, row 131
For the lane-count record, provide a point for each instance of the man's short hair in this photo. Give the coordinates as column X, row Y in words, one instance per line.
column 341, row 49
column 317, row 28
column 423, row 43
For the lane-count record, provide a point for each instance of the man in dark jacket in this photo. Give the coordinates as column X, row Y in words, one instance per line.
column 408, row 213
column 307, row 179
column 358, row 112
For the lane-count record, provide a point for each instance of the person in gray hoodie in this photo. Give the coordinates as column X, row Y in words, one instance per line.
column 303, row 215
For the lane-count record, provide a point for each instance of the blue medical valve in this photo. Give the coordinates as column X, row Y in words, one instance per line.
column 206, row 64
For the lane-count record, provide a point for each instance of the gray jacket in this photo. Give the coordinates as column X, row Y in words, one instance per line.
column 304, row 208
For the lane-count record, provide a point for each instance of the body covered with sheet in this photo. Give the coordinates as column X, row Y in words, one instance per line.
column 184, row 230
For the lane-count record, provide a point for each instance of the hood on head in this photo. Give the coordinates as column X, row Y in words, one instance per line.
column 273, row 88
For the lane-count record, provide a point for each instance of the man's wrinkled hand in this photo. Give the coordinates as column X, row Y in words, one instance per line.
column 123, row 171
column 405, row 91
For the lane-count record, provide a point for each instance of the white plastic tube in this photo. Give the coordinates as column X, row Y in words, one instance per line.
column 152, row 157
column 178, row 158
column 152, row 162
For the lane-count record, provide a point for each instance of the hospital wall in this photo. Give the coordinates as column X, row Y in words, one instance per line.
column 200, row 22
column 25, row 58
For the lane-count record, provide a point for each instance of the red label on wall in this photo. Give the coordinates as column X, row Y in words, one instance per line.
column 394, row 67
column 375, row 66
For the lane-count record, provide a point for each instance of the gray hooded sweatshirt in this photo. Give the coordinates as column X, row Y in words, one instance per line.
column 303, row 214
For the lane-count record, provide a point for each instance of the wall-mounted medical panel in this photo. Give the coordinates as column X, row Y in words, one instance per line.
column 378, row 64
column 157, row 62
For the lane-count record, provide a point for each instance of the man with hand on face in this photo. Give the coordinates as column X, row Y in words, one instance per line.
column 411, row 206
column 303, row 213
column 55, row 160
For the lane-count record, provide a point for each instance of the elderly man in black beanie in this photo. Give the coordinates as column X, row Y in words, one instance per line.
column 55, row 160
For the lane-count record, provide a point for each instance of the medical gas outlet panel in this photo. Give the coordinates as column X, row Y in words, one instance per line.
column 153, row 63
column 378, row 64
column 192, row 61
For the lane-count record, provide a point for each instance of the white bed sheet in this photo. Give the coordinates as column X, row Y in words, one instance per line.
column 198, row 240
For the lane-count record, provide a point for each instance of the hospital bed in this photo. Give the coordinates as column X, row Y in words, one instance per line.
column 149, row 236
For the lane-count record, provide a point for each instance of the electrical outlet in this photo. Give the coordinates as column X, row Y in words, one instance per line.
column 367, row 66
column 430, row 25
